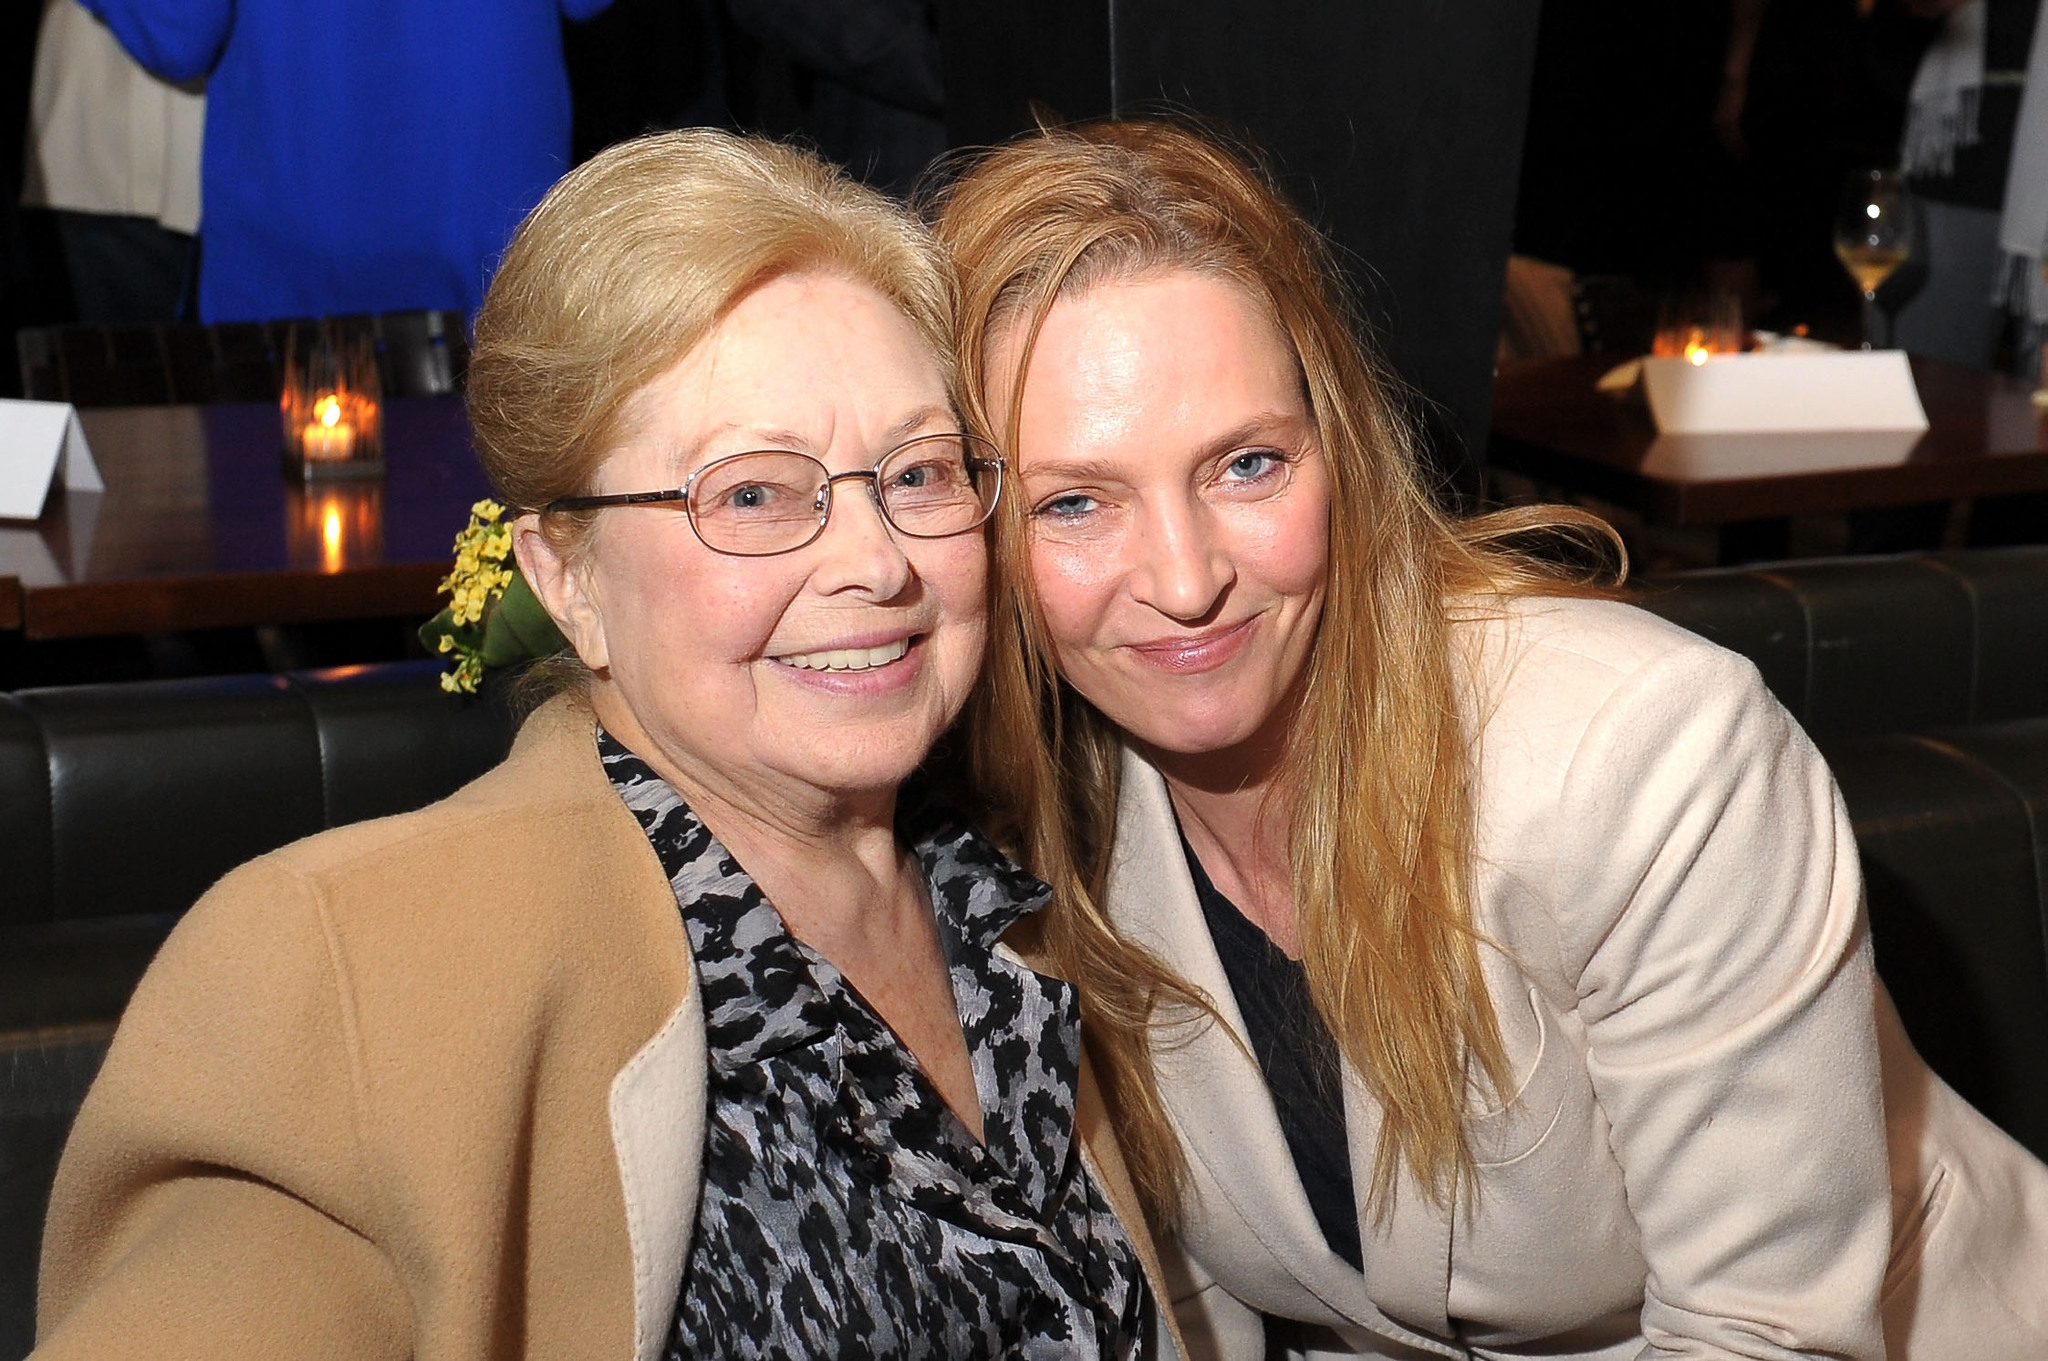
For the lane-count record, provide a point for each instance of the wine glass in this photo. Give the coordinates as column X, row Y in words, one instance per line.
column 1873, row 235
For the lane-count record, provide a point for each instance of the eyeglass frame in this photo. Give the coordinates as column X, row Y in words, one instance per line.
column 871, row 475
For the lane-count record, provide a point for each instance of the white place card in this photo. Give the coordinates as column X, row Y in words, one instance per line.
column 38, row 442
column 1731, row 394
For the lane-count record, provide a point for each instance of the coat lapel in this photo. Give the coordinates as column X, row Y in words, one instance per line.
column 657, row 1122
column 1251, row 1225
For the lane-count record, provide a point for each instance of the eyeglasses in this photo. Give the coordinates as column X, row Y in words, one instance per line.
column 769, row 501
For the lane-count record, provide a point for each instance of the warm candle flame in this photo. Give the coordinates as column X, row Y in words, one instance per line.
column 328, row 409
column 1696, row 353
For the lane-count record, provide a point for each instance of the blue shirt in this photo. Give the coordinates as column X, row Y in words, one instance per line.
column 361, row 155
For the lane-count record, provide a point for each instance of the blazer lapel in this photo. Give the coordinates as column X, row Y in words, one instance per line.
column 657, row 1122
column 1262, row 1239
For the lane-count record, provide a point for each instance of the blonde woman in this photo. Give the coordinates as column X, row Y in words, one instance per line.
column 1478, row 967
column 679, row 1034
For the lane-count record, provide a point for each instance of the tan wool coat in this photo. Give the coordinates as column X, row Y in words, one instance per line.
column 431, row 1086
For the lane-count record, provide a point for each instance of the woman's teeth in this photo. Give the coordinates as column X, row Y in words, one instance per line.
column 848, row 659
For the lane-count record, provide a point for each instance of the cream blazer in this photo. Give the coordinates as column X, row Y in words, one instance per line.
column 1695, row 1160
column 432, row 1086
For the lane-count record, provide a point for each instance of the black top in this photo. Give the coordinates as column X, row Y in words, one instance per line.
column 846, row 1211
column 1298, row 1055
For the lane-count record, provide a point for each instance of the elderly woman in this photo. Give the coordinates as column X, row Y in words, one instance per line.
column 1480, row 967
column 679, row 1034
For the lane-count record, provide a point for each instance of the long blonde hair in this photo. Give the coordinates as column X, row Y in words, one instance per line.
column 1379, row 771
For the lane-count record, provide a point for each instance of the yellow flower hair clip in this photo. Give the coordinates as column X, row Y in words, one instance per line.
column 492, row 619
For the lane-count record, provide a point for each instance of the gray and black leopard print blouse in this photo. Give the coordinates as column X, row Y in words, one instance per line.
column 846, row 1210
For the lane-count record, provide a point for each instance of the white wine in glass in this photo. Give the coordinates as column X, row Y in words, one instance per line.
column 1873, row 236
column 1869, row 265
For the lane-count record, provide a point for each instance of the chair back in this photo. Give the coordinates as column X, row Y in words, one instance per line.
column 421, row 353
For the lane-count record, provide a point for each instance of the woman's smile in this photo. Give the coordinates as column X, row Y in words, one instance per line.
column 1193, row 653
column 861, row 668
column 848, row 657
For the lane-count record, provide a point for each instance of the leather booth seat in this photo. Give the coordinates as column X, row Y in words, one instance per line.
column 124, row 802
column 1924, row 678
column 1857, row 647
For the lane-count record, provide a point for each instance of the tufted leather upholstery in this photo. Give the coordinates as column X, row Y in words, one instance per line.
column 124, row 802
column 1861, row 646
column 1953, row 830
column 43, row 1077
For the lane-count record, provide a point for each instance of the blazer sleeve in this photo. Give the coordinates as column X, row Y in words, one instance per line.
column 1725, row 979
column 212, row 1200
column 177, row 40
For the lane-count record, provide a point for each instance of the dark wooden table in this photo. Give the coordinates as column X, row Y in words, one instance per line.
column 1550, row 423
column 200, row 527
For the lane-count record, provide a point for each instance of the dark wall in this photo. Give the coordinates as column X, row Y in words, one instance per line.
column 1396, row 124
column 34, row 289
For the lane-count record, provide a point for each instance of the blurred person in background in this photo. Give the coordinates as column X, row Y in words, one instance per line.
column 1958, row 151
column 361, row 158
column 1975, row 147
column 859, row 79
column 114, row 152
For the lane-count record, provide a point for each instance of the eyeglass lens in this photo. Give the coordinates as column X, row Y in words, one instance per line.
column 773, row 501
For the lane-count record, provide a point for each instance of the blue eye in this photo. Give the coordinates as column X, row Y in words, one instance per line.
column 1252, row 464
column 1067, row 507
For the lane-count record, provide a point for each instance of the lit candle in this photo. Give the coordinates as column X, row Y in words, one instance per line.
column 327, row 438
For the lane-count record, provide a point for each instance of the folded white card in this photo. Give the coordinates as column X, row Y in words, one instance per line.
column 1733, row 394
column 38, row 440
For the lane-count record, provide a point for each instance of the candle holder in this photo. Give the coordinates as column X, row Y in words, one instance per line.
column 331, row 405
column 1693, row 327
